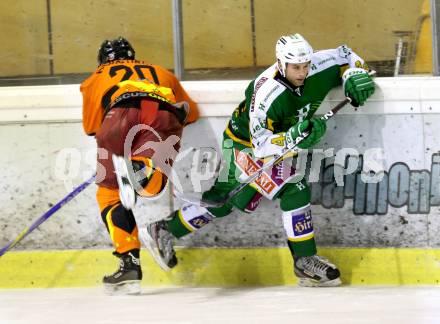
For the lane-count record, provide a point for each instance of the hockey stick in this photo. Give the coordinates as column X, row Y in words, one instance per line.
column 46, row 215
column 277, row 159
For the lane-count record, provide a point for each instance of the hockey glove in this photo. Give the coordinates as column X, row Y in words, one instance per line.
column 358, row 85
column 315, row 126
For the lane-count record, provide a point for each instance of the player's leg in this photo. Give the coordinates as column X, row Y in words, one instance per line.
column 119, row 221
column 311, row 269
column 147, row 181
column 187, row 219
column 121, row 225
column 190, row 218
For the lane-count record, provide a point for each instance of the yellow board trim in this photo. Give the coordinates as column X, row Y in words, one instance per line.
column 220, row 267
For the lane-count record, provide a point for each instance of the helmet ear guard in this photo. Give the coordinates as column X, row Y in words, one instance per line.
column 292, row 49
column 117, row 49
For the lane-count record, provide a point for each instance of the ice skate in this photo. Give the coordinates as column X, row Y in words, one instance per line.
column 127, row 279
column 159, row 242
column 316, row 271
column 127, row 193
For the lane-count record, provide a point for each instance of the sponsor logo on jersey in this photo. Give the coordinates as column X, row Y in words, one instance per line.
column 260, row 126
column 257, row 86
column 254, row 203
column 279, row 140
column 303, row 112
column 249, row 166
column 271, row 92
column 233, row 125
column 279, row 171
column 331, row 58
column 265, row 183
column 138, row 94
column 300, row 186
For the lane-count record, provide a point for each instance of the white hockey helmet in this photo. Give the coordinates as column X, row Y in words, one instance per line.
column 292, row 49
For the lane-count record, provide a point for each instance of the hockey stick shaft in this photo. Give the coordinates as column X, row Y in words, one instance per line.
column 265, row 167
column 280, row 158
column 46, row 215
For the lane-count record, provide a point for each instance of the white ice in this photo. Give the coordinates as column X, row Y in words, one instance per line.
column 351, row 305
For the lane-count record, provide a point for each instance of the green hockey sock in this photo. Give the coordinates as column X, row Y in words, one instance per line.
column 176, row 227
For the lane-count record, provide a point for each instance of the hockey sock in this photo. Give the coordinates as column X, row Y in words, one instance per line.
column 297, row 219
column 299, row 229
column 122, row 228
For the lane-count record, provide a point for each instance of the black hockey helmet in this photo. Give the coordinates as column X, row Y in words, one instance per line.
column 117, row 49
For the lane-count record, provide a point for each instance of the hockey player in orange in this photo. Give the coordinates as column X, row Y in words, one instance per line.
column 136, row 111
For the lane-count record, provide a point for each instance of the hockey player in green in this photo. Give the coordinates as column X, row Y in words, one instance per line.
column 280, row 104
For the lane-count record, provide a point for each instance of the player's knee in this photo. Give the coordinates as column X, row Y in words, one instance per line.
column 295, row 195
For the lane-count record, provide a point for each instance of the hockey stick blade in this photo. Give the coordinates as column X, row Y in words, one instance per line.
column 46, row 215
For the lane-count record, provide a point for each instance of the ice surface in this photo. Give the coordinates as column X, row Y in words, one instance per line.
column 350, row 305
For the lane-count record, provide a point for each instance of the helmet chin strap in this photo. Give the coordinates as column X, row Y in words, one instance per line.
column 281, row 69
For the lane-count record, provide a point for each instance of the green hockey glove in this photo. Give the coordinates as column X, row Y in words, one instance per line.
column 358, row 85
column 315, row 126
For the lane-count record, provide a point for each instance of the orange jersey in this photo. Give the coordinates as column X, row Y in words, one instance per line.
column 107, row 83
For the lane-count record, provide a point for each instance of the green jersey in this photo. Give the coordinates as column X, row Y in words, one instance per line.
column 273, row 104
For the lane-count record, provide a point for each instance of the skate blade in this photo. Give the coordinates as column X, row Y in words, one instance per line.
column 150, row 244
column 125, row 288
column 306, row 282
column 126, row 191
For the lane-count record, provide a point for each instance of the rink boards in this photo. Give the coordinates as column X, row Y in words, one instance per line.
column 385, row 232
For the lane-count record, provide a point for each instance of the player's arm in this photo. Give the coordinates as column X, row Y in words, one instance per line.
column 181, row 95
column 357, row 83
column 266, row 143
column 89, row 116
column 349, row 59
